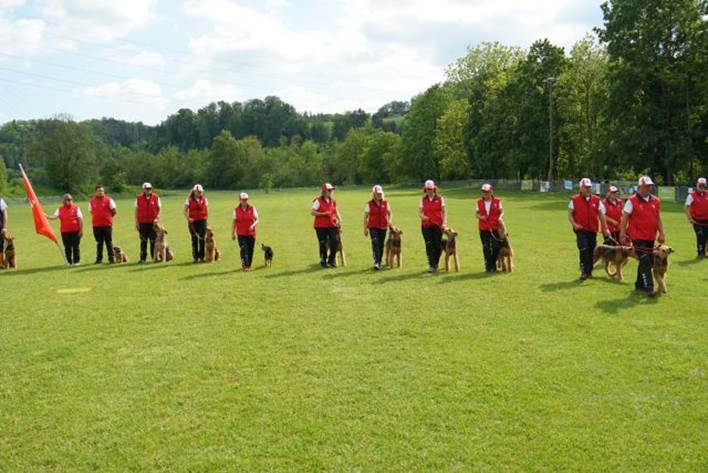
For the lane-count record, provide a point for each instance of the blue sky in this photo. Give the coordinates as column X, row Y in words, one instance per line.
column 142, row 60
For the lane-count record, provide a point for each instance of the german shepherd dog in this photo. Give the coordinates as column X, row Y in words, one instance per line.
column 119, row 254
column 211, row 252
column 504, row 262
column 9, row 256
column 449, row 246
column 339, row 248
column 616, row 256
column 267, row 255
column 163, row 252
column 393, row 250
column 661, row 267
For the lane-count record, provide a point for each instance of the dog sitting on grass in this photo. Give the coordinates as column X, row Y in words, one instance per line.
column 449, row 246
column 119, row 254
column 9, row 259
column 393, row 250
column 211, row 252
column 163, row 252
column 267, row 255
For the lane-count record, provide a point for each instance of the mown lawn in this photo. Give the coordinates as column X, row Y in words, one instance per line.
column 183, row 367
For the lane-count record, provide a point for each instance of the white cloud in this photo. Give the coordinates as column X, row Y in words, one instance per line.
column 134, row 91
column 204, row 91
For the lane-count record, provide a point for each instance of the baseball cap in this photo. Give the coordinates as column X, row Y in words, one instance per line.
column 613, row 189
column 147, row 185
column 377, row 189
column 645, row 181
column 487, row 187
column 585, row 182
column 198, row 188
column 701, row 181
column 429, row 184
column 243, row 196
column 327, row 187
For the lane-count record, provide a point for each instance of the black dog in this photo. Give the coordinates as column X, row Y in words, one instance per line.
column 268, row 254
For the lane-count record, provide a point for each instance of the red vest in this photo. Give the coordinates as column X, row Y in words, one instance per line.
column 585, row 212
column 433, row 210
column 69, row 219
column 101, row 213
column 644, row 220
column 328, row 207
column 492, row 222
column 614, row 211
column 378, row 214
column 244, row 220
column 699, row 206
column 147, row 208
column 198, row 208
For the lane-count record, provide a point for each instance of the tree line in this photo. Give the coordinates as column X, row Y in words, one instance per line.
column 632, row 97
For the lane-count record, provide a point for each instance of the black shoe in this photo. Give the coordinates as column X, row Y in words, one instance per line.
column 323, row 264
column 98, row 261
column 111, row 261
column 195, row 260
column 142, row 261
column 331, row 265
column 584, row 276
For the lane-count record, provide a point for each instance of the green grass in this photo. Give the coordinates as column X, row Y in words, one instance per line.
column 183, row 367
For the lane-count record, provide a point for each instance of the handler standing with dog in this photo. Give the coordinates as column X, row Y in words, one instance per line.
column 585, row 210
column 697, row 213
column 3, row 230
column 613, row 214
column 327, row 221
column 641, row 221
column 377, row 215
column 196, row 212
column 71, row 226
column 244, row 228
column 102, row 209
column 489, row 215
column 147, row 214
column 432, row 220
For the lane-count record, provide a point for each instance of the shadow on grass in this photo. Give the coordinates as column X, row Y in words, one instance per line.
column 23, row 272
column 293, row 272
column 689, row 262
column 457, row 277
column 211, row 274
column 614, row 306
column 345, row 274
column 152, row 266
column 104, row 266
column 561, row 285
column 404, row 277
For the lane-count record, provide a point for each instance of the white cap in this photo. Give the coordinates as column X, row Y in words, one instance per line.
column 585, row 182
column 147, row 185
column 243, row 196
column 327, row 187
column 645, row 181
column 429, row 184
column 377, row 189
column 486, row 187
column 613, row 189
column 198, row 188
column 701, row 181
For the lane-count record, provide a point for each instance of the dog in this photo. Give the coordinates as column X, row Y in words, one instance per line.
column 393, row 250
column 660, row 268
column 616, row 256
column 119, row 255
column 339, row 248
column 163, row 252
column 211, row 252
column 449, row 246
column 504, row 262
column 9, row 256
column 268, row 255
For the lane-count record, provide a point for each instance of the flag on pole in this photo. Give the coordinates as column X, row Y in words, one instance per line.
column 41, row 224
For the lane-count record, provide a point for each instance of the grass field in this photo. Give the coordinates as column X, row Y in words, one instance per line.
column 182, row 367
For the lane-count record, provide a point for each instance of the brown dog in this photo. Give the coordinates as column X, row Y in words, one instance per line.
column 393, row 249
column 9, row 257
column 449, row 246
column 339, row 248
column 267, row 255
column 211, row 252
column 119, row 254
column 661, row 267
column 504, row 262
column 163, row 252
column 616, row 256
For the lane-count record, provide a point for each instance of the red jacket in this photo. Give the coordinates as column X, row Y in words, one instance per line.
column 101, row 212
column 329, row 207
column 69, row 219
column 492, row 221
column 644, row 219
column 613, row 211
column 699, row 206
column 244, row 220
column 197, row 209
column 586, row 212
column 148, row 208
column 433, row 209
column 378, row 214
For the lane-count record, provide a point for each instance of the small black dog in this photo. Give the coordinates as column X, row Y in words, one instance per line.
column 268, row 254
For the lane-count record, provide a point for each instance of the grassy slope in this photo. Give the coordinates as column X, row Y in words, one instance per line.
column 202, row 368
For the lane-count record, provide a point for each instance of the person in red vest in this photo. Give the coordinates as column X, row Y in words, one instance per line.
column 244, row 224
column 586, row 214
column 3, row 231
column 327, row 220
column 641, row 221
column 196, row 212
column 489, row 214
column 147, row 213
column 432, row 220
column 102, row 209
column 377, row 215
column 613, row 214
column 71, row 226
column 697, row 213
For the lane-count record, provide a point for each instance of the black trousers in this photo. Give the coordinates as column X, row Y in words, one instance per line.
column 327, row 239
column 701, row 229
column 433, row 244
column 2, row 240
column 246, row 244
column 103, row 236
column 147, row 233
column 645, row 281
column 378, row 237
column 490, row 249
column 71, row 242
column 197, row 230
column 587, row 241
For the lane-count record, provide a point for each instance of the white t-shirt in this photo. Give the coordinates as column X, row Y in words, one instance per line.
column 3, row 205
column 255, row 214
column 488, row 205
column 601, row 208
column 186, row 202
column 629, row 208
column 442, row 201
column 111, row 205
column 78, row 213
column 159, row 203
column 366, row 207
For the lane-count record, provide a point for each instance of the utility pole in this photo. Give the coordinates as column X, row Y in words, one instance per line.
column 549, row 82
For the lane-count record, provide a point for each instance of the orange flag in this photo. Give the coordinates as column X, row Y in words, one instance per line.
column 41, row 224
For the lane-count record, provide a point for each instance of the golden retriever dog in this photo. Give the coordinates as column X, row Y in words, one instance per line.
column 615, row 256
column 449, row 246
column 211, row 252
column 661, row 267
column 163, row 252
column 339, row 248
column 393, row 250
column 504, row 262
column 119, row 254
column 9, row 258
